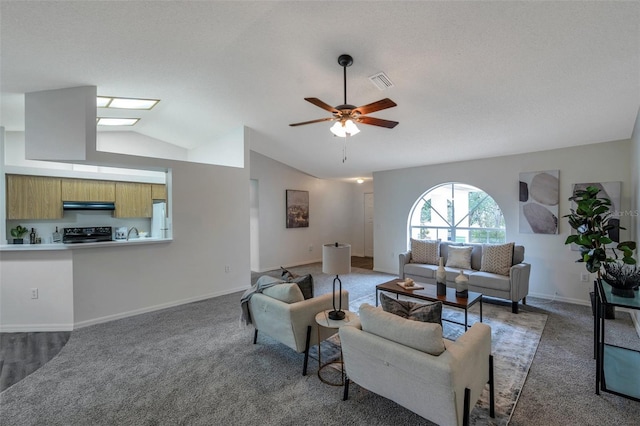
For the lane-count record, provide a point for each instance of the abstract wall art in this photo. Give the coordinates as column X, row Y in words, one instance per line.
column 539, row 197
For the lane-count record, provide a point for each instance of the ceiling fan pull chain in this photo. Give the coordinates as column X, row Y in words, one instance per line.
column 344, row 151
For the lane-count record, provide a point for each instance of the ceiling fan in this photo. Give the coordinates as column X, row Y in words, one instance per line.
column 347, row 115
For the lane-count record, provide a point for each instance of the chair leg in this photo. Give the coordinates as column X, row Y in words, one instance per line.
column 306, row 352
column 524, row 300
column 514, row 307
column 467, row 409
column 345, row 395
column 255, row 336
column 492, row 401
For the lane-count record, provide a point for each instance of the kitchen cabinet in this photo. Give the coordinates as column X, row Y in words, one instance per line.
column 33, row 197
column 88, row 190
column 133, row 200
column 158, row 192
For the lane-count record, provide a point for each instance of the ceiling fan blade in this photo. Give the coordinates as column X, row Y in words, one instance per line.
column 376, row 106
column 317, row 102
column 312, row 121
column 377, row 122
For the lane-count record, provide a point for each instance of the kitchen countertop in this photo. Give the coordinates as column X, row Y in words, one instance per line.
column 75, row 246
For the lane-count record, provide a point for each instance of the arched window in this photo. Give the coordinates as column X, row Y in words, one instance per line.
column 457, row 212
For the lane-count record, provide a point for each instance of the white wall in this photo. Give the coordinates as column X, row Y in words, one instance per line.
column 553, row 264
column 51, row 273
column 210, row 212
column 331, row 217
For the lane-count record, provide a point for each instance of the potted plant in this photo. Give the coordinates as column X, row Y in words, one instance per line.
column 17, row 234
column 592, row 221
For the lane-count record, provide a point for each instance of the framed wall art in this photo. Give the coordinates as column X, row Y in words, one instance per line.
column 297, row 209
column 539, row 199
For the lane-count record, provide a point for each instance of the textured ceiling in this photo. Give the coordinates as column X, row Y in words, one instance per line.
column 472, row 79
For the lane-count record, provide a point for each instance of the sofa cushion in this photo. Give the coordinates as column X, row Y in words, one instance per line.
column 429, row 312
column 497, row 258
column 425, row 251
column 420, row 270
column 490, row 280
column 459, row 257
column 422, row 336
column 285, row 292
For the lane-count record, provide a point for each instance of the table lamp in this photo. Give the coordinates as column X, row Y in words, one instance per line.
column 336, row 260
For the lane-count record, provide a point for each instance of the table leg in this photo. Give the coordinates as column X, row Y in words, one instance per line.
column 480, row 308
column 377, row 297
column 466, row 323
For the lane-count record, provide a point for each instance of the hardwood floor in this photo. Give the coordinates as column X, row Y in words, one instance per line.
column 362, row 262
column 23, row 353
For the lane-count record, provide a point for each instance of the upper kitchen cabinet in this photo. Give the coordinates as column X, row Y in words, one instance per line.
column 133, row 200
column 158, row 192
column 33, row 197
column 88, row 190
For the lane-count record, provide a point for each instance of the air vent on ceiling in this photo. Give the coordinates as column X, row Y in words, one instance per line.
column 381, row 80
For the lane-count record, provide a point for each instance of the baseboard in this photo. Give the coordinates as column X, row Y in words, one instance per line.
column 31, row 328
column 561, row 299
column 289, row 265
column 147, row 309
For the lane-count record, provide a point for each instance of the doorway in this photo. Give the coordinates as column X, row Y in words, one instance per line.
column 368, row 224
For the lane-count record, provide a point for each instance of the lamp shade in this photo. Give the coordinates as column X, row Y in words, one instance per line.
column 336, row 259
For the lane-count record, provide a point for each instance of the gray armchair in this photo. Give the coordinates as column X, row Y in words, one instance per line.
column 292, row 324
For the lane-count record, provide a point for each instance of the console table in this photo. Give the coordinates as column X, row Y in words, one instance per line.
column 617, row 368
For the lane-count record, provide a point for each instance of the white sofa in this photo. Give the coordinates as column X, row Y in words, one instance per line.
column 441, row 388
column 292, row 324
column 513, row 287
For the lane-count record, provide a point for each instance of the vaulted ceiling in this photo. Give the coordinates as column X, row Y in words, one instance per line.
column 471, row 79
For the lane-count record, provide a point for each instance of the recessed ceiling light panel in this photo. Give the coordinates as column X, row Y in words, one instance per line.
column 103, row 102
column 110, row 121
column 130, row 103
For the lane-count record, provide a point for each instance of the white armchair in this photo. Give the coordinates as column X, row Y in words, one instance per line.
column 292, row 324
column 441, row 388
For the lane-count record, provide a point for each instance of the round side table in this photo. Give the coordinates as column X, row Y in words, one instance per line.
column 323, row 320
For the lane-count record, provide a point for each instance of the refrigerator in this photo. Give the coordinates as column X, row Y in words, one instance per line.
column 159, row 220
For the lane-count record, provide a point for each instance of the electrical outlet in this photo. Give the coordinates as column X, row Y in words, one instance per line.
column 311, row 248
column 584, row 277
column 34, row 293
column 227, row 269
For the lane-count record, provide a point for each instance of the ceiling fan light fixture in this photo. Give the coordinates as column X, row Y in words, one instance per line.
column 344, row 129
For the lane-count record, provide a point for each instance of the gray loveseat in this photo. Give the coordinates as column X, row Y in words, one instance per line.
column 513, row 287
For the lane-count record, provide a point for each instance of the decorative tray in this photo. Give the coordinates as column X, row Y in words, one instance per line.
column 406, row 286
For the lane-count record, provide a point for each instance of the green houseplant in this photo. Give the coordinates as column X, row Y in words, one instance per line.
column 17, row 233
column 591, row 219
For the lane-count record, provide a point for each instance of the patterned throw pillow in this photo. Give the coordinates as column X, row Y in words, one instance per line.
column 431, row 312
column 459, row 257
column 425, row 251
column 305, row 282
column 497, row 258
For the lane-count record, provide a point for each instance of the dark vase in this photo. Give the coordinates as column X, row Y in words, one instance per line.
column 18, row 241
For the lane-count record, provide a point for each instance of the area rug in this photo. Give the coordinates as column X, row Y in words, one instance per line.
column 514, row 341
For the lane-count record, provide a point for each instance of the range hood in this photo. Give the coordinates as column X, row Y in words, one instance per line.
column 88, row 205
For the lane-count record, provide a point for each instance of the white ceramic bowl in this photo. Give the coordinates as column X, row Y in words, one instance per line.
column 143, row 234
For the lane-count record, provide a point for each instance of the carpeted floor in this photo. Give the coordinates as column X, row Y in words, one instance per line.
column 194, row 364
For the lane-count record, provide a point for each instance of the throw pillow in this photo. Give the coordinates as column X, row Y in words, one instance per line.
column 425, row 251
column 459, row 257
column 422, row 336
column 305, row 282
column 497, row 258
column 431, row 312
column 286, row 292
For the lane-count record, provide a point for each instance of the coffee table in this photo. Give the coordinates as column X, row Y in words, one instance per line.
column 428, row 293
